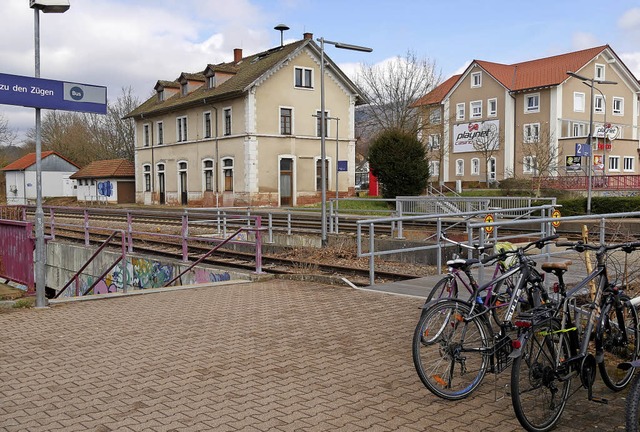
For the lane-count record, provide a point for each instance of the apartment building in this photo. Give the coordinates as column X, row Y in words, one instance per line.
column 496, row 121
column 247, row 132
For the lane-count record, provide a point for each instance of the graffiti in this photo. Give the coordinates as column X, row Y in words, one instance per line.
column 105, row 188
column 143, row 273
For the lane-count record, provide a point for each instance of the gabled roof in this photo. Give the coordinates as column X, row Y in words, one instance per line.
column 117, row 168
column 248, row 71
column 544, row 72
column 436, row 95
column 30, row 159
column 538, row 73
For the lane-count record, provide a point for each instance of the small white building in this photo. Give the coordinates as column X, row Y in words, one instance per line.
column 20, row 178
column 108, row 181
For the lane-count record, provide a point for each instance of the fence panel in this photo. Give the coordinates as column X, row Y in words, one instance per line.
column 16, row 252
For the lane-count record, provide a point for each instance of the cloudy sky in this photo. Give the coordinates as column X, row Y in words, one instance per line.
column 122, row 43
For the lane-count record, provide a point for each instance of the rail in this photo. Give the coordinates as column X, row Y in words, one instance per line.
column 622, row 182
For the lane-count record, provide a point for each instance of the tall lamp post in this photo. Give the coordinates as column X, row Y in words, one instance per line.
column 46, row 6
column 591, row 83
column 323, row 174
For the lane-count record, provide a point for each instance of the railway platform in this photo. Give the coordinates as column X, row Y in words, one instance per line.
column 271, row 355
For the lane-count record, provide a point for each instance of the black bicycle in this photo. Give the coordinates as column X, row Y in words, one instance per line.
column 555, row 344
column 455, row 343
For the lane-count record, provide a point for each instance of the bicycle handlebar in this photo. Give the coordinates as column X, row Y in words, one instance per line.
column 540, row 243
column 579, row 246
column 466, row 246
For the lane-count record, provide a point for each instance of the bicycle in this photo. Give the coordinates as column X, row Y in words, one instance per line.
column 552, row 347
column 454, row 343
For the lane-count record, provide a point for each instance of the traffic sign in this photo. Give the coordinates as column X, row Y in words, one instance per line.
column 50, row 94
column 556, row 215
column 583, row 149
column 488, row 219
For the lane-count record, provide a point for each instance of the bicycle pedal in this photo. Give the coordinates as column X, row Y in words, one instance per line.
column 599, row 400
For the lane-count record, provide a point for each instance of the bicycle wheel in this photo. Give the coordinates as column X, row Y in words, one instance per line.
column 444, row 288
column 537, row 394
column 451, row 352
column 617, row 342
column 632, row 407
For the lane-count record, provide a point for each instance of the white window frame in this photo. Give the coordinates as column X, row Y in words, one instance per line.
column 476, row 79
column 578, row 101
column 181, row 129
column 628, row 163
column 531, row 133
column 576, row 127
column 599, row 72
column 473, row 105
column 434, row 141
column 460, row 111
column 207, row 133
column 534, row 108
column 146, row 177
column 434, row 168
column 529, row 165
column 435, row 116
column 492, row 111
column 327, row 124
column 459, row 167
column 619, row 111
column 280, row 120
column 146, row 135
column 226, row 110
column 614, row 163
column 212, row 172
column 303, row 79
column 475, row 166
column 159, row 133
column 598, row 104
column 493, row 174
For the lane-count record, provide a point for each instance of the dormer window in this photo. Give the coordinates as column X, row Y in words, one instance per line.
column 211, row 81
column 161, row 95
column 184, row 89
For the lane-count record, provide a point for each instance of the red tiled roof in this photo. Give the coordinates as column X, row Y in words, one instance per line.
column 30, row 159
column 544, row 72
column 106, row 168
column 437, row 94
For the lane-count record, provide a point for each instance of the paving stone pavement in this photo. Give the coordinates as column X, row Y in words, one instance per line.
column 265, row 356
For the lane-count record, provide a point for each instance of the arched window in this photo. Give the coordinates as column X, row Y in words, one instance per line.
column 227, row 171
column 147, row 177
column 207, row 167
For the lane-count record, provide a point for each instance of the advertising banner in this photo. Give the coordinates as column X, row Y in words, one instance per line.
column 573, row 163
column 476, row 136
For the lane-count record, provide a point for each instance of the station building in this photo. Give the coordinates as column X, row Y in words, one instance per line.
column 495, row 121
column 247, row 132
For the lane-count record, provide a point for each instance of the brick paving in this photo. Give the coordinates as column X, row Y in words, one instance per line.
column 267, row 356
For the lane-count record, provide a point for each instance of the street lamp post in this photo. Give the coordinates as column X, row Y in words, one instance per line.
column 46, row 6
column 591, row 83
column 323, row 126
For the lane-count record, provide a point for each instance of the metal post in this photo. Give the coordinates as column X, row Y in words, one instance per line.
column 439, row 257
column 41, row 300
column 323, row 180
column 337, row 158
column 372, row 265
column 590, row 161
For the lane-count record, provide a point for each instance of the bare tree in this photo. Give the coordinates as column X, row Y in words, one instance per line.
column 487, row 140
column 7, row 135
column 391, row 88
column 540, row 155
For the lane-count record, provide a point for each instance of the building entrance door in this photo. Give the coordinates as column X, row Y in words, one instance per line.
column 286, row 182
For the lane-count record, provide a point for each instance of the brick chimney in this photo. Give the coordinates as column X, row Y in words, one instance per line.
column 237, row 55
column 307, row 35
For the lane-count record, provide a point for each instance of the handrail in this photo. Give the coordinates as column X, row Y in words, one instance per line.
column 95, row 254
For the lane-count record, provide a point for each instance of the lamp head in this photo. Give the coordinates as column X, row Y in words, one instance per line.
column 50, row 6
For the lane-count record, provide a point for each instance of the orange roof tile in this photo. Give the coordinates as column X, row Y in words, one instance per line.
column 544, row 72
column 30, row 159
column 437, row 94
column 106, row 168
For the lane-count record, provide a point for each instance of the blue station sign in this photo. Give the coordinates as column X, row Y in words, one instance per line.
column 50, row 94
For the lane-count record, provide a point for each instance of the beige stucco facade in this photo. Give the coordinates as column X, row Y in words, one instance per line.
column 266, row 149
column 547, row 118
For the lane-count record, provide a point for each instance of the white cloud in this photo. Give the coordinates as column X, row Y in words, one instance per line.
column 462, row 68
column 583, row 40
column 630, row 20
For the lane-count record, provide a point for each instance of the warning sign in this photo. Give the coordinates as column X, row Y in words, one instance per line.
column 556, row 215
column 488, row 219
